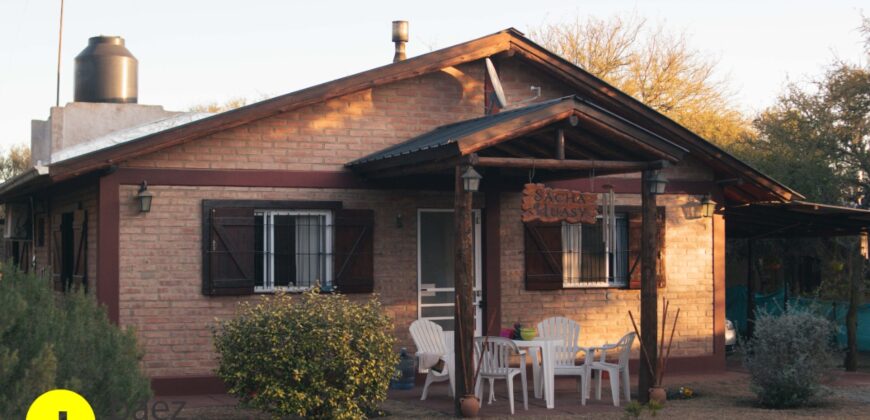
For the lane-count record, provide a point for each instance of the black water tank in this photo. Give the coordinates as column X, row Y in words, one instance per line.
column 106, row 72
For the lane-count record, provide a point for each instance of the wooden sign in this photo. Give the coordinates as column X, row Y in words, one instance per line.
column 558, row 205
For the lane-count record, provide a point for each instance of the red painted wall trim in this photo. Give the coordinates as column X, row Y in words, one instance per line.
column 243, row 178
column 108, row 257
column 690, row 364
column 187, row 385
column 492, row 261
column 718, row 284
column 199, row 385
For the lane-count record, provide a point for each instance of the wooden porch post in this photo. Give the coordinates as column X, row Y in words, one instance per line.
column 648, row 289
column 750, row 290
column 464, row 311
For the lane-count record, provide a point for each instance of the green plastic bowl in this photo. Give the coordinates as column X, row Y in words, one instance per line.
column 528, row 333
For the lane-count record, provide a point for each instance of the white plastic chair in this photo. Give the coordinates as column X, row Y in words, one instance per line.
column 565, row 354
column 495, row 365
column 429, row 339
column 616, row 371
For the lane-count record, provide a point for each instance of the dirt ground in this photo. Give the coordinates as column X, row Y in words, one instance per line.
column 725, row 396
column 716, row 399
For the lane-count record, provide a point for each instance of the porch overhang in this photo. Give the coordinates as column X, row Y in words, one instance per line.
column 560, row 138
column 794, row 219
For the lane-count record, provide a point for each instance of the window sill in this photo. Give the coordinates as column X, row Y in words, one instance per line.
column 288, row 290
column 595, row 286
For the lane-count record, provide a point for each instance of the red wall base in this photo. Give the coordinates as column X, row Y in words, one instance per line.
column 187, row 385
column 200, row 385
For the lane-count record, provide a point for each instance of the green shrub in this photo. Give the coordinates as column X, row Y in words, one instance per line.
column 50, row 341
column 788, row 356
column 318, row 356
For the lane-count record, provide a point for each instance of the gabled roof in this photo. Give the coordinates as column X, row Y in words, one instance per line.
column 471, row 136
column 449, row 134
column 756, row 186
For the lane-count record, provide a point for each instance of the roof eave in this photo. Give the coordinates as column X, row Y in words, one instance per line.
column 28, row 178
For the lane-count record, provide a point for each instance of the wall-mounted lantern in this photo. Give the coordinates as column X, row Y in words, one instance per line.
column 657, row 183
column 708, row 206
column 471, row 180
column 144, row 198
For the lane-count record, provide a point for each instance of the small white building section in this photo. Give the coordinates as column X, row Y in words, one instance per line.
column 82, row 127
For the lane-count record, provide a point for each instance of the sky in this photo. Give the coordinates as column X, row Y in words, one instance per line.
column 193, row 52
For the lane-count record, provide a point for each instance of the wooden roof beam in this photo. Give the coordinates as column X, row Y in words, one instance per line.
column 569, row 164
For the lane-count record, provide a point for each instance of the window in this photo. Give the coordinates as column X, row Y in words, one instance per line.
column 293, row 249
column 586, row 259
column 251, row 246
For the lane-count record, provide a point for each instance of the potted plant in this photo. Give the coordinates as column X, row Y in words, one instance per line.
column 657, row 392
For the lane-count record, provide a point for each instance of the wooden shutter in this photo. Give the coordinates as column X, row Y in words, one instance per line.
column 635, row 230
column 55, row 251
column 228, row 250
column 353, row 251
column 80, row 249
column 543, row 255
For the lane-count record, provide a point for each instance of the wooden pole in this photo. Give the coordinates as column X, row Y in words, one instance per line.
column 750, row 290
column 59, row 45
column 648, row 289
column 560, row 144
column 854, row 276
column 568, row 164
column 464, row 312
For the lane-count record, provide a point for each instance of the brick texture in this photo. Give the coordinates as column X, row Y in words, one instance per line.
column 328, row 135
column 603, row 313
column 160, row 275
column 160, row 272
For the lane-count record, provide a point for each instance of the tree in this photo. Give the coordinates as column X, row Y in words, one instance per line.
column 653, row 65
column 816, row 138
column 233, row 103
column 16, row 161
column 215, row 107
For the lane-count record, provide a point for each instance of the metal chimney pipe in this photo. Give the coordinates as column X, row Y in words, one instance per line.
column 400, row 38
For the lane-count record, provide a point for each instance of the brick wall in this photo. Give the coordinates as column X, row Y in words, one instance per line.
column 328, row 135
column 603, row 313
column 160, row 273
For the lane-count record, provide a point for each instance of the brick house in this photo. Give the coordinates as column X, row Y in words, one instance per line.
column 351, row 184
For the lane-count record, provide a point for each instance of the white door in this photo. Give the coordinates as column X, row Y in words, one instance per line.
column 436, row 295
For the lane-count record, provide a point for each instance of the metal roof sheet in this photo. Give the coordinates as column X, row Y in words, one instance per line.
column 447, row 134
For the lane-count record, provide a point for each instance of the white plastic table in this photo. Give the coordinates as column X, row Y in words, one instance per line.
column 548, row 355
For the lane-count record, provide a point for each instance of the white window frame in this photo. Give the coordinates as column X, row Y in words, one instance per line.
column 611, row 281
column 269, row 256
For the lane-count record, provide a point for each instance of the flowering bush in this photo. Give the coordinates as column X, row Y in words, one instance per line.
column 787, row 356
column 318, row 356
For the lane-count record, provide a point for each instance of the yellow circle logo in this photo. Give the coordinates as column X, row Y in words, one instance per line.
column 60, row 404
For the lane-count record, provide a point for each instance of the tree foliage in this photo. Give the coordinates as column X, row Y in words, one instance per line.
column 653, row 65
column 215, row 107
column 50, row 341
column 816, row 137
column 16, row 161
